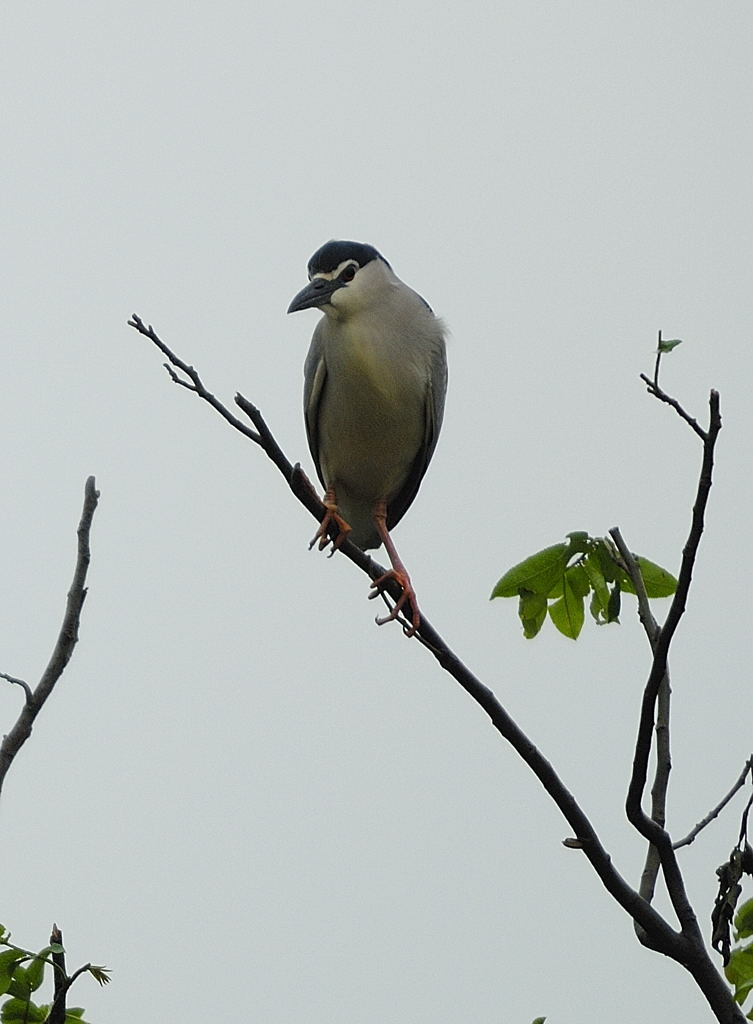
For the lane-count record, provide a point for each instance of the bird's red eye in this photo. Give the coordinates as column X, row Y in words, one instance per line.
column 348, row 273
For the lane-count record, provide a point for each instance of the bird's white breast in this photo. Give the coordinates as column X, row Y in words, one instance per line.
column 372, row 414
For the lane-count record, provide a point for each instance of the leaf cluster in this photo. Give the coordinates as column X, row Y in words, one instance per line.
column 739, row 967
column 558, row 580
column 22, row 974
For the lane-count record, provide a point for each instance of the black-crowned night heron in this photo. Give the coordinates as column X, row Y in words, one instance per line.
column 374, row 392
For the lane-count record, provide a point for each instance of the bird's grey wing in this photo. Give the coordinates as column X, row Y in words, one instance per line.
column 314, row 379
column 436, row 390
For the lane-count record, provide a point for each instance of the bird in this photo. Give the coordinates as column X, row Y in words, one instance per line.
column 375, row 381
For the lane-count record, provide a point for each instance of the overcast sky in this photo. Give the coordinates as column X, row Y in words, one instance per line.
column 245, row 798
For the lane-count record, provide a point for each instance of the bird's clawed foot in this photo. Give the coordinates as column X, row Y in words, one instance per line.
column 331, row 518
column 406, row 603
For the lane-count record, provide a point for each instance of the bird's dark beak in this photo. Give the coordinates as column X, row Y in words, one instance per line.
column 315, row 294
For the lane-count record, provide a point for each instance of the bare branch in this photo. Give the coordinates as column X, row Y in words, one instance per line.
column 267, row 441
column 62, row 982
column 657, row 364
column 657, row 392
column 66, row 641
column 687, row 947
column 663, row 768
column 716, row 811
column 650, row 829
column 646, row 616
column 743, row 837
column 662, row 936
column 194, row 382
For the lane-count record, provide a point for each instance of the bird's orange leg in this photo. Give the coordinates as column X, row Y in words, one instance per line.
column 331, row 517
column 398, row 572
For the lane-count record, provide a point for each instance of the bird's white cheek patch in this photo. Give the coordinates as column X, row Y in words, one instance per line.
column 330, row 275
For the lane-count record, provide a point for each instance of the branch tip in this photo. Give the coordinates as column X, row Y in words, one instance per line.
column 65, row 643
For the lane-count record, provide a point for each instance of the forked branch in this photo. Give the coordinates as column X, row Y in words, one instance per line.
column 653, row 830
column 685, row 947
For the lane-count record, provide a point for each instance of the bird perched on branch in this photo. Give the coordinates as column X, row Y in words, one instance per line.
column 374, row 394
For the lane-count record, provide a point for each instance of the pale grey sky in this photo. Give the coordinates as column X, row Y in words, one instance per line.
column 244, row 798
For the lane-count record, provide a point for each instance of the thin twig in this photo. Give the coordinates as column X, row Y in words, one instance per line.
column 648, row 828
column 657, row 392
column 663, row 767
column 66, row 641
column 657, row 364
column 743, row 837
column 266, row 440
column 194, row 382
column 716, row 811
column 646, row 616
column 262, row 435
column 19, row 682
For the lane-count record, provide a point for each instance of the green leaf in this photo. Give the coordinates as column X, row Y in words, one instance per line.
column 739, row 972
column 20, row 986
column 604, row 555
column 612, row 567
column 598, row 584
column 12, row 956
column 35, row 970
column 56, row 947
column 597, row 610
column 8, row 962
column 100, row 974
column 577, row 577
column 568, row 613
column 669, row 344
column 532, row 612
column 75, row 1015
column 744, row 920
column 538, row 573
column 21, row 1011
column 657, row 581
column 539, row 1020
column 13, row 1010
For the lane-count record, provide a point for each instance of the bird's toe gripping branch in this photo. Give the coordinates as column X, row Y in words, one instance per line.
column 407, row 600
column 332, row 518
column 406, row 603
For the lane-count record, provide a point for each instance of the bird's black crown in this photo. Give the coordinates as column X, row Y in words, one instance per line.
column 332, row 254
